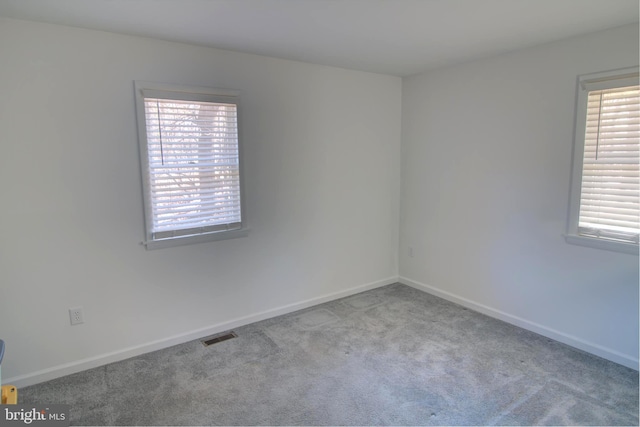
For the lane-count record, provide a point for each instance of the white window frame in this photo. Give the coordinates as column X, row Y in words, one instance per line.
column 144, row 89
column 590, row 82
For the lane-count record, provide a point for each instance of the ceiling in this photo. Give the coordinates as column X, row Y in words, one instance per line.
column 397, row 37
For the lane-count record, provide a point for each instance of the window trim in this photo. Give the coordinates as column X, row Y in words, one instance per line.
column 145, row 89
column 585, row 83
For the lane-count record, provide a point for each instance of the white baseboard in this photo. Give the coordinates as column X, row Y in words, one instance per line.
column 598, row 350
column 100, row 360
column 104, row 359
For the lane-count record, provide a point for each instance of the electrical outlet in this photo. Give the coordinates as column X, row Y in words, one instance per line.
column 76, row 315
column 410, row 251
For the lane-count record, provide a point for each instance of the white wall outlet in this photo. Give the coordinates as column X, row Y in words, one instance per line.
column 76, row 315
column 410, row 251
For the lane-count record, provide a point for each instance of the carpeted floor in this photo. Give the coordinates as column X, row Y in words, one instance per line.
column 390, row 356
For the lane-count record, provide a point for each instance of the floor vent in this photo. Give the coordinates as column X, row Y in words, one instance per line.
column 216, row 339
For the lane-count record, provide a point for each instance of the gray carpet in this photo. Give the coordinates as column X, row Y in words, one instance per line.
column 390, row 356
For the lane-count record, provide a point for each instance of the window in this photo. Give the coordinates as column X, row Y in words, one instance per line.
column 191, row 164
column 604, row 208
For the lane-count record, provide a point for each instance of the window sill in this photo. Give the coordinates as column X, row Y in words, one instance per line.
column 200, row 238
column 609, row 245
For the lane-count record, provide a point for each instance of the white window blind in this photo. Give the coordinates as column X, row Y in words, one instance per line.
column 610, row 189
column 190, row 153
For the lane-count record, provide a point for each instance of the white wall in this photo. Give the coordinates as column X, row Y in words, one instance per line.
column 322, row 152
column 486, row 160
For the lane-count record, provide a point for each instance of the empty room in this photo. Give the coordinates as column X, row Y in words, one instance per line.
column 319, row 212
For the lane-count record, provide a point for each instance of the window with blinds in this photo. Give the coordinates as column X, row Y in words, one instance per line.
column 190, row 153
column 609, row 206
column 607, row 151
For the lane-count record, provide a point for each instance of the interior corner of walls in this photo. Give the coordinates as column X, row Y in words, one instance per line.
column 630, row 361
